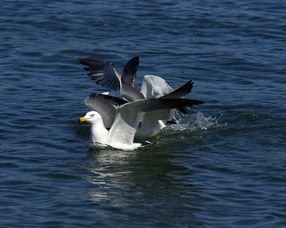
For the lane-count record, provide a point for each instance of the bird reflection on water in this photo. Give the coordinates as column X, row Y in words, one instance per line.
column 153, row 179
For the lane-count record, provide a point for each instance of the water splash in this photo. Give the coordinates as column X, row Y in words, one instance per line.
column 196, row 122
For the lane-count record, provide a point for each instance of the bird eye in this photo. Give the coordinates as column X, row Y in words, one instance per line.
column 92, row 115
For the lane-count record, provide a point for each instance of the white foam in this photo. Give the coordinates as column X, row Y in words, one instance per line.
column 196, row 122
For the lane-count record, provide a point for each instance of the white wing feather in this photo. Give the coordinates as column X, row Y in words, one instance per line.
column 154, row 86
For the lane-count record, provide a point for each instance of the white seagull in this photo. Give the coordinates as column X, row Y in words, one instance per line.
column 122, row 130
column 152, row 122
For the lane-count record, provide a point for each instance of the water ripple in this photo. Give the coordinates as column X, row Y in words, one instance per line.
column 222, row 166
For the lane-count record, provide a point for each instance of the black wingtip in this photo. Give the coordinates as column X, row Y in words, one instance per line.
column 187, row 87
column 197, row 102
column 131, row 66
column 129, row 71
column 181, row 91
column 84, row 61
column 91, row 62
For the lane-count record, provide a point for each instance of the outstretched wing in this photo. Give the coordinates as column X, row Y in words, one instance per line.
column 130, row 114
column 128, row 90
column 104, row 73
column 105, row 105
column 180, row 92
column 129, row 71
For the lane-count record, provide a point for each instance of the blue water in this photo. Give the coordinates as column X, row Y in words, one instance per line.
column 224, row 165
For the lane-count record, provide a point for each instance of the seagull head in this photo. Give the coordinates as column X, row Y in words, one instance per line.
column 91, row 117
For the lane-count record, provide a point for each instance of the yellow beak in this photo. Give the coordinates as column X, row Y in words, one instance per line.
column 82, row 119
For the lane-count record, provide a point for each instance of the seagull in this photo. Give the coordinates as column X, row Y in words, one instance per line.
column 122, row 130
column 150, row 125
column 106, row 75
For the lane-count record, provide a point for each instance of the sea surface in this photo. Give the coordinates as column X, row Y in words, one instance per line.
column 223, row 165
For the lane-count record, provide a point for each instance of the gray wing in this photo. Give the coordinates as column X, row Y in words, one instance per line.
column 129, row 71
column 130, row 114
column 128, row 90
column 149, row 105
column 104, row 73
column 180, row 92
column 105, row 105
column 131, row 93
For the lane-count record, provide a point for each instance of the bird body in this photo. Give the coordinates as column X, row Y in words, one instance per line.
column 126, row 123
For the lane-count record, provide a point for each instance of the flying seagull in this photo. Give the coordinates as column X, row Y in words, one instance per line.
column 106, row 75
column 127, row 118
